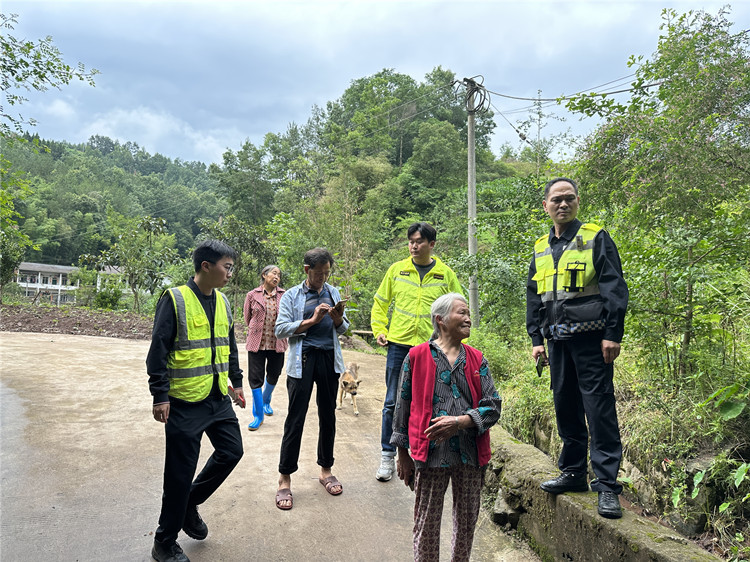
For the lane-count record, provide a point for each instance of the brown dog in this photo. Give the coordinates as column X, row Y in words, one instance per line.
column 349, row 385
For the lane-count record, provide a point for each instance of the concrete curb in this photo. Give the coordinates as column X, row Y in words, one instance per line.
column 567, row 526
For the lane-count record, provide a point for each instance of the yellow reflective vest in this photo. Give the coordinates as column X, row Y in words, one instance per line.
column 189, row 364
column 410, row 322
column 570, row 288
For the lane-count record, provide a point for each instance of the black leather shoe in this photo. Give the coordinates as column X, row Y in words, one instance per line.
column 609, row 505
column 566, row 482
column 193, row 525
column 168, row 553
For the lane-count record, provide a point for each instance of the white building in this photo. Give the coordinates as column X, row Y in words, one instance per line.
column 46, row 283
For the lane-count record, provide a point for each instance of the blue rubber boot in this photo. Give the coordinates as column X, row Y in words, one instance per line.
column 257, row 409
column 267, row 391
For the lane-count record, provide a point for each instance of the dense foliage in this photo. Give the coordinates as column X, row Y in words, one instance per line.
column 666, row 173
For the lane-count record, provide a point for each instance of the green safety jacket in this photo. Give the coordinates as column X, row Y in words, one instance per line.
column 570, row 288
column 189, row 364
column 410, row 322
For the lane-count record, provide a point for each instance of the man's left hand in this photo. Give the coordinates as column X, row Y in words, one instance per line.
column 610, row 350
column 239, row 397
column 336, row 315
column 161, row 412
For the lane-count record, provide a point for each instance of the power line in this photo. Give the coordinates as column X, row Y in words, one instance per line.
column 482, row 103
column 563, row 98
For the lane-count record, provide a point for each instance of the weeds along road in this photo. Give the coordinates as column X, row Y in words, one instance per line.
column 82, row 463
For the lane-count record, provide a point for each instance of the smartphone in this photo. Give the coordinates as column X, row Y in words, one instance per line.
column 411, row 480
column 233, row 395
column 340, row 305
column 539, row 365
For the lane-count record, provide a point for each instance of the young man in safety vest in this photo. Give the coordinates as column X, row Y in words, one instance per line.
column 193, row 354
column 412, row 285
column 576, row 298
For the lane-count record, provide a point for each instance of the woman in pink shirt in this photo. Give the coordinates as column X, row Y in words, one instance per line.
column 265, row 352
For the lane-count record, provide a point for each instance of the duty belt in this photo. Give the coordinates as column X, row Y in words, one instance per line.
column 560, row 331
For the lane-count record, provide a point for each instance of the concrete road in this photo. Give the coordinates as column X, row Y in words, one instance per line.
column 82, row 462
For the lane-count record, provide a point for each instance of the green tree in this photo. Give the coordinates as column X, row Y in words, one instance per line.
column 141, row 253
column 245, row 185
column 29, row 65
column 437, row 166
column 14, row 187
column 253, row 252
column 671, row 166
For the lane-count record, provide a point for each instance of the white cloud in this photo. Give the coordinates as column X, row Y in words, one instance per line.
column 163, row 133
column 191, row 78
column 59, row 109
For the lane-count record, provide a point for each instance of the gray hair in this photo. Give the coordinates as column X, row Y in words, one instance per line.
column 268, row 268
column 442, row 308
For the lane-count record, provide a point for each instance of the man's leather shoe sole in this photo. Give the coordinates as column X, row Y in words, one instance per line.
column 566, row 482
column 609, row 505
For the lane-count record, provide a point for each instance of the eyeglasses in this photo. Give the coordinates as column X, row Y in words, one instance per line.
column 228, row 266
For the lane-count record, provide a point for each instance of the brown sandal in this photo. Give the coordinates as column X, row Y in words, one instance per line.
column 330, row 483
column 284, row 494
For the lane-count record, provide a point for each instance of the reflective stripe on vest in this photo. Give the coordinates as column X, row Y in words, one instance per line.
column 191, row 371
column 575, row 275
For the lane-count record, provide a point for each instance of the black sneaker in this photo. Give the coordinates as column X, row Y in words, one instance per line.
column 609, row 505
column 566, row 482
column 168, row 553
column 193, row 525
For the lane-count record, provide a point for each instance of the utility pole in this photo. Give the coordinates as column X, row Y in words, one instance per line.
column 471, row 85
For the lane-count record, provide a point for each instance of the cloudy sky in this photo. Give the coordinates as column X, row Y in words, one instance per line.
column 189, row 79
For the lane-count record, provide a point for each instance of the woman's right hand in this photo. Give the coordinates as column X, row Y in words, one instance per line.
column 404, row 465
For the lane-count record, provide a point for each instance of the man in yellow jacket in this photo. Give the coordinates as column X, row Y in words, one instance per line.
column 193, row 355
column 411, row 285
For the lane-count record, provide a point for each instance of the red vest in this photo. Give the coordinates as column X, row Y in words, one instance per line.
column 422, row 367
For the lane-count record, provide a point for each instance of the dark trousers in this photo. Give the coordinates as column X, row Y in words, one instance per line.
column 393, row 362
column 184, row 429
column 317, row 368
column 583, row 391
column 266, row 360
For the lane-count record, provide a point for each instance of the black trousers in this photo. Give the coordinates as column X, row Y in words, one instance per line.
column 317, row 368
column 583, row 391
column 184, row 429
column 266, row 360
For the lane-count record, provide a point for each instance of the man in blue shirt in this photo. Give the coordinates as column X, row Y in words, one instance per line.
column 308, row 316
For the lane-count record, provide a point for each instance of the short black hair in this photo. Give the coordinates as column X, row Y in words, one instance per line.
column 211, row 251
column 553, row 181
column 318, row 256
column 426, row 231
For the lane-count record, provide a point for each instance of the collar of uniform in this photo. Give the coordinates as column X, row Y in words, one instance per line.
column 569, row 233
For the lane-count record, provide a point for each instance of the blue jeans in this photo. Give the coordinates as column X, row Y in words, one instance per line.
column 396, row 355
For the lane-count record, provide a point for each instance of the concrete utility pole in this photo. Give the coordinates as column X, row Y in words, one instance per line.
column 472, row 200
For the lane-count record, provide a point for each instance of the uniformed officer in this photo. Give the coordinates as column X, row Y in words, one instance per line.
column 576, row 299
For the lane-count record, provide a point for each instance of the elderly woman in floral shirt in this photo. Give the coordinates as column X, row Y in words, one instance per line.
column 264, row 350
column 446, row 405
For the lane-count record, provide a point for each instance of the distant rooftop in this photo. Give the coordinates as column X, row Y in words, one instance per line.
column 45, row 267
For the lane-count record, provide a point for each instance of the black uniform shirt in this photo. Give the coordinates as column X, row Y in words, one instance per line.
column 612, row 287
column 162, row 343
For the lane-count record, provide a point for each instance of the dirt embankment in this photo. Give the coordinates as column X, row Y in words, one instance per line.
column 106, row 323
column 75, row 320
